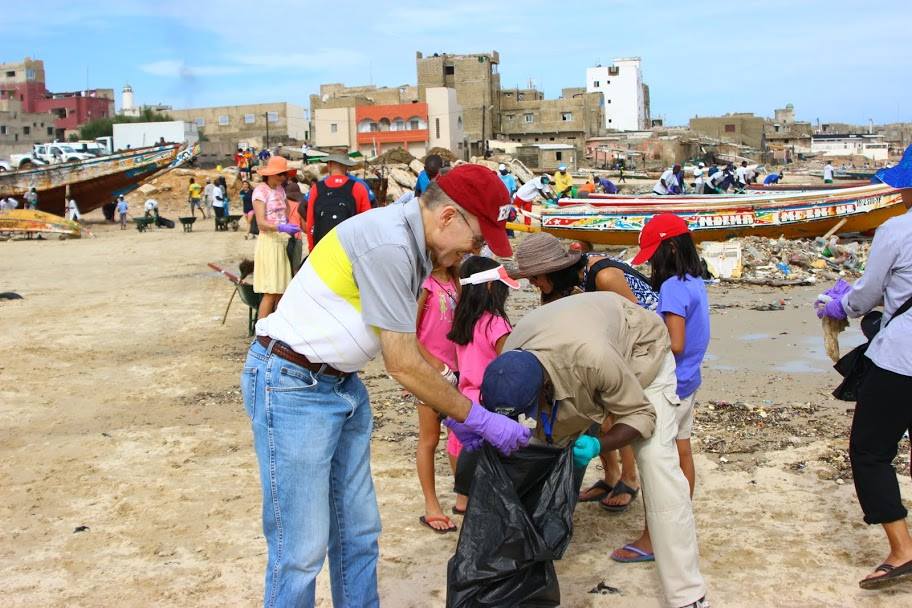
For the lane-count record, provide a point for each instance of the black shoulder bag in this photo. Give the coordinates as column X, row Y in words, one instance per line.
column 854, row 365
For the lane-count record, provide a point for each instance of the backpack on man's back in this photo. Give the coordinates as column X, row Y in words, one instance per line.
column 332, row 207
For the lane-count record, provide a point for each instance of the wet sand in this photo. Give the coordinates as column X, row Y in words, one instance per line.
column 121, row 412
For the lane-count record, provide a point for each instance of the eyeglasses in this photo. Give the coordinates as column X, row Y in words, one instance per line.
column 478, row 241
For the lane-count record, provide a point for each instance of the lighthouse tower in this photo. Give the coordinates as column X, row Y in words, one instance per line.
column 127, row 105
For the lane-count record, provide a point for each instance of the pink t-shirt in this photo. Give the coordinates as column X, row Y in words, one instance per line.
column 437, row 320
column 276, row 207
column 474, row 357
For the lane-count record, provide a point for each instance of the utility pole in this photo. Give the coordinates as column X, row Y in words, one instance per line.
column 266, row 114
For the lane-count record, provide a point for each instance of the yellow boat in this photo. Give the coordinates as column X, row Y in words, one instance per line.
column 25, row 221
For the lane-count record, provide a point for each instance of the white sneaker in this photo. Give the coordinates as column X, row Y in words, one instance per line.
column 700, row 603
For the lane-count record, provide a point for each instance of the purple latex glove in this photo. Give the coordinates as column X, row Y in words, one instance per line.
column 832, row 308
column 469, row 440
column 503, row 433
column 288, row 228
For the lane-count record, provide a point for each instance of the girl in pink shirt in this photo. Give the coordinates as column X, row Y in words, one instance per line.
column 436, row 307
column 480, row 326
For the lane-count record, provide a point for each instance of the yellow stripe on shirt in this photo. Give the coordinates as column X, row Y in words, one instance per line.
column 332, row 265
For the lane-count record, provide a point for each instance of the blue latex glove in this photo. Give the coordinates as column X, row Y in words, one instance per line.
column 288, row 228
column 470, row 441
column 585, row 449
column 503, row 433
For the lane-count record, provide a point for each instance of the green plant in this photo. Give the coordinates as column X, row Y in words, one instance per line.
column 104, row 127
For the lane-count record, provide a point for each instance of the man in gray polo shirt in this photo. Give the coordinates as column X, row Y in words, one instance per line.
column 353, row 298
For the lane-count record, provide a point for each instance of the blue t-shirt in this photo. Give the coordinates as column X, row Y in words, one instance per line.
column 772, row 178
column 509, row 181
column 687, row 298
column 122, row 207
column 363, row 182
column 608, row 186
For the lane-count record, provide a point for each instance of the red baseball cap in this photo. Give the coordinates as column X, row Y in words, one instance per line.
column 481, row 192
column 659, row 228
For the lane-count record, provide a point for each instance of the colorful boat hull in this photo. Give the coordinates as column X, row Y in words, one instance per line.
column 94, row 182
column 25, row 221
column 793, row 215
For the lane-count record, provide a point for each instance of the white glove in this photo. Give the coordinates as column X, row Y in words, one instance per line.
column 449, row 375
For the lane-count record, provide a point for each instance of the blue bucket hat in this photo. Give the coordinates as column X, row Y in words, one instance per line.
column 512, row 384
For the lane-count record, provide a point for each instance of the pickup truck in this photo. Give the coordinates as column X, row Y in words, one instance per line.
column 58, row 153
column 20, row 161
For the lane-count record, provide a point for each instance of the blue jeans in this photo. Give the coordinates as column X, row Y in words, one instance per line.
column 312, row 439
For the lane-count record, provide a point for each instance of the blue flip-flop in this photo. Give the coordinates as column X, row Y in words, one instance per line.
column 642, row 556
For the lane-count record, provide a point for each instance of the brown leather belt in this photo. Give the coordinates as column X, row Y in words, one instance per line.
column 283, row 350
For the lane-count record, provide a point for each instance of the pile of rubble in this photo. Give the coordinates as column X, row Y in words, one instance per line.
column 801, row 261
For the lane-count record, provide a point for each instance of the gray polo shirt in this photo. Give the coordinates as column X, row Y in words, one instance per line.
column 362, row 277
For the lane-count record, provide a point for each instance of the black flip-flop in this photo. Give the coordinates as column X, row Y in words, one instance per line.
column 602, row 485
column 620, row 488
column 894, row 574
column 425, row 521
column 459, row 511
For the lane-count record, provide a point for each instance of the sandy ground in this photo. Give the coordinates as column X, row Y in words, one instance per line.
column 121, row 413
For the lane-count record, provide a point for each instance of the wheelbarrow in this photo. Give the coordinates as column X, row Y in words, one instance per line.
column 143, row 223
column 187, row 223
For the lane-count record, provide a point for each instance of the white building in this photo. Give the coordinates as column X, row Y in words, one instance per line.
column 445, row 122
column 850, row 144
column 128, row 105
column 624, row 96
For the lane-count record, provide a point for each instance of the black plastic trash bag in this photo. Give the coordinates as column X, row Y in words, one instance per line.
column 520, row 519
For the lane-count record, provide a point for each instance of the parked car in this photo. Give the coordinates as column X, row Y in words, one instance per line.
column 5, row 166
column 58, row 153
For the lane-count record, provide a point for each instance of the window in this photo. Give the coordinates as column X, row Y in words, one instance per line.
column 449, row 70
column 566, row 116
column 11, row 74
column 437, row 127
column 398, row 125
column 414, row 124
column 26, row 130
column 608, row 100
column 550, row 139
column 249, row 119
column 272, row 117
column 528, row 118
column 609, row 120
column 729, row 128
column 520, row 97
column 558, row 155
column 30, row 74
column 223, row 120
column 334, row 127
column 2, row 129
column 595, row 84
column 384, row 124
column 200, row 122
column 50, row 131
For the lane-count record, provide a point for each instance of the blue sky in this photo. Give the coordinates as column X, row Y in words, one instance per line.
column 837, row 61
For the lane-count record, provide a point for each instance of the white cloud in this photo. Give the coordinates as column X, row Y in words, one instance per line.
column 176, row 68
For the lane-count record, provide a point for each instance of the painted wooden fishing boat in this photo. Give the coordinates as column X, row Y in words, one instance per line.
column 806, row 187
column 792, row 214
column 94, row 182
column 25, row 221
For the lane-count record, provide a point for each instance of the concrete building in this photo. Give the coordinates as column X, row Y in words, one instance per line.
column 373, row 128
column 625, row 99
column 477, row 84
column 251, row 124
column 19, row 130
column 850, row 144
column 337, row 95
column 24, row 81
column 446, row 122
column 527, row 117
column 548, row 157
column 740, row 128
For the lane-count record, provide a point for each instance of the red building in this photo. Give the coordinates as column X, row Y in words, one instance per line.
column 391, row 126
column 25, row 83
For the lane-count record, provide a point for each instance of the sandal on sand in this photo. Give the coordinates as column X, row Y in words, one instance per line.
column 641, row 556
column 620, row 488
column 427, row 519
column 892, row 575
column 600, row 486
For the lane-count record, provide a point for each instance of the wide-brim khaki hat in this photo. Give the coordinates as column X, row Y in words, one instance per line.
column 341, row 159
column 541, row 253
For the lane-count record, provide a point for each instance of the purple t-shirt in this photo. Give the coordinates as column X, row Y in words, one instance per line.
column 687, row 298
